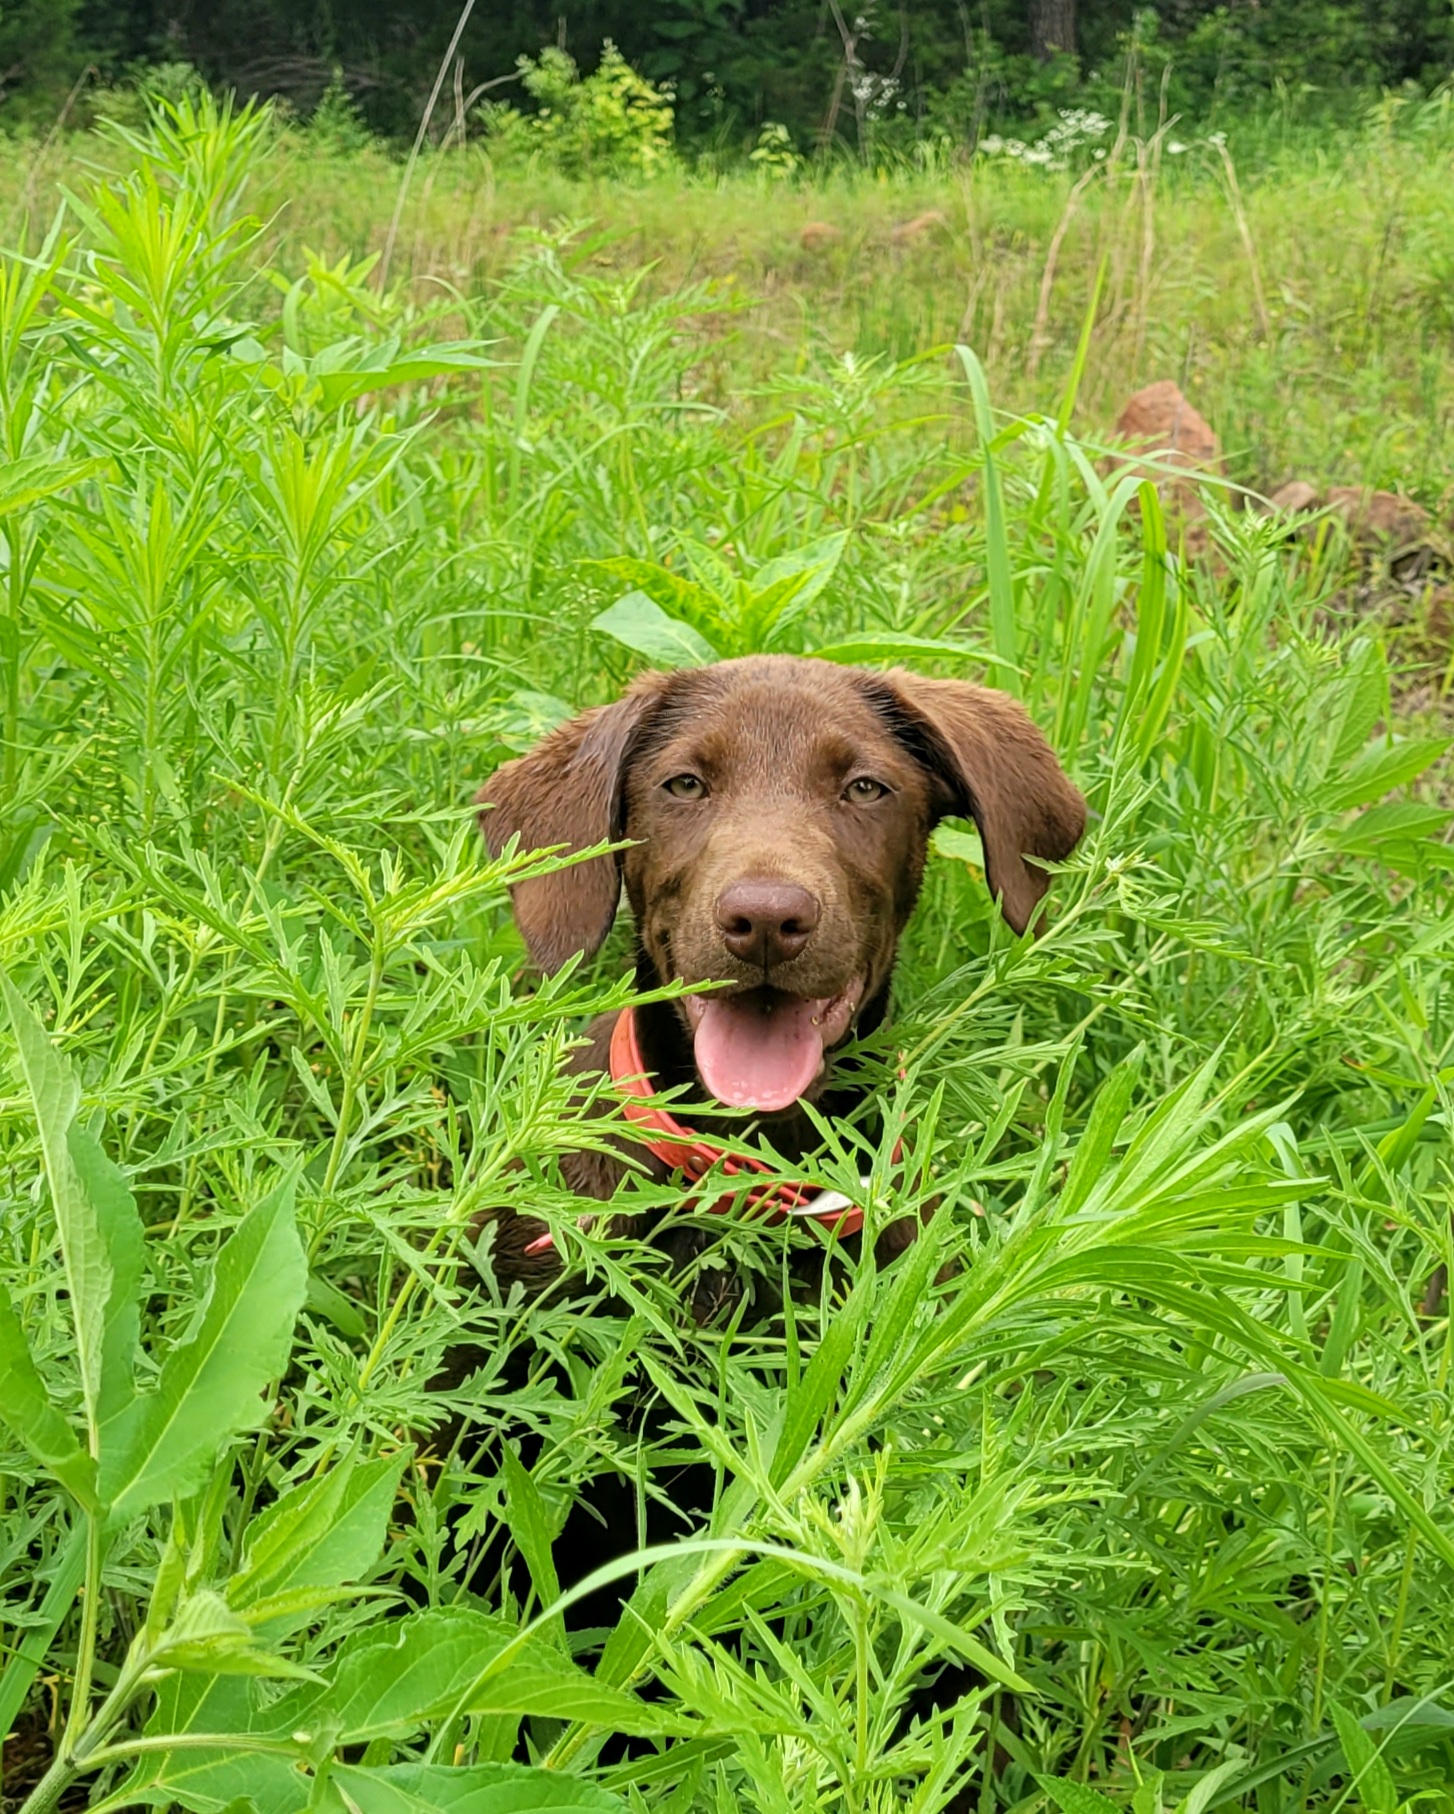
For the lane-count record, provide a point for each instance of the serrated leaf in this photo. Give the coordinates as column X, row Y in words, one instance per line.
column 640, row 624
column 816, row 564
column 211, row 1383
column 207, row 1779
column 318, row 1535
column 208, row 1638
column 1373, row 1778
column 477, row 1789
column 25, row 1406
column 110, row 1195
column 100, row 1234
column 1364, row 700
column 1076, row 1798
column 1378, row 770
column 390, row 1680
column 892, row 645
column 679, row 597
column 26, row 483
column 532, row 1524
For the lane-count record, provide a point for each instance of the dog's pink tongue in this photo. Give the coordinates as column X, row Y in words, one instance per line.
column 759, row 1052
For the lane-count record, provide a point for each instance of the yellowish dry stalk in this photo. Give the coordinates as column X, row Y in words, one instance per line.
column 1040, row 336
column 1239, row 214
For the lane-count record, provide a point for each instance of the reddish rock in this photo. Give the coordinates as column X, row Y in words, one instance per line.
column 1158, row 421
column 1379, row 516
column 1296, row 495
column 818, row 234
column 905, row 234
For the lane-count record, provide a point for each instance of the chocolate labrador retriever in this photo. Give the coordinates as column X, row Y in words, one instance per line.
column 778, row 811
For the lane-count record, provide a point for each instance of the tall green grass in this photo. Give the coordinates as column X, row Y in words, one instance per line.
column 1313, row 332
column 1154, row 1487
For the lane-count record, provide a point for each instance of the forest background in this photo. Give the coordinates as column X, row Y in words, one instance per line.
column 868, row 77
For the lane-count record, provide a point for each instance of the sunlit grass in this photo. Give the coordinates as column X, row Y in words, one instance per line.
column 1147, row 1499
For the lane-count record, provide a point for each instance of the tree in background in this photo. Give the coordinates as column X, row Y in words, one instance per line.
column 855, row 73
column 1052, row 29
column 39, row 53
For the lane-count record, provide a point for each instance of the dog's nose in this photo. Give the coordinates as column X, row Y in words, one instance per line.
column 766, row 922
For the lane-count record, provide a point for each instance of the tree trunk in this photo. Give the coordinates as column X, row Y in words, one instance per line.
column 1052, row 28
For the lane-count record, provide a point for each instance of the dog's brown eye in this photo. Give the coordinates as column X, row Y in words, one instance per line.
column 687, row 787
column 864, row 790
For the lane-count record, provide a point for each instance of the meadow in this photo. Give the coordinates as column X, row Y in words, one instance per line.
column 1145, row 1505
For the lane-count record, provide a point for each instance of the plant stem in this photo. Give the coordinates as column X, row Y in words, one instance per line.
column 86, row 1644
column 355, row 1068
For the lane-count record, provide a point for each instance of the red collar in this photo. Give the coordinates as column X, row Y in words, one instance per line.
column 683, row 1151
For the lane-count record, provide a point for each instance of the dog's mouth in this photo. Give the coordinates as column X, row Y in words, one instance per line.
column 762, row 1048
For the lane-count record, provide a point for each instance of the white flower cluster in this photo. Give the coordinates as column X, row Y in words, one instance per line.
column 1075, row 130
column 873, row 93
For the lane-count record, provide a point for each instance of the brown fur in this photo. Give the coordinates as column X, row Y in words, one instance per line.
column 775, row 740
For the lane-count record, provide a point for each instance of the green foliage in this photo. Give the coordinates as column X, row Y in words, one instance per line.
column 337, row 123
column 609, row 123
column 879, row 80
column 38, row 51
column 1138, row 1503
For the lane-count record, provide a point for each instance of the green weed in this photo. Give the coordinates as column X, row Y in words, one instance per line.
column 1144, row 1507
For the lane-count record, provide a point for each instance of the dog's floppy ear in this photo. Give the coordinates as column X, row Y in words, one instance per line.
column 567, row 791
column 992, row 763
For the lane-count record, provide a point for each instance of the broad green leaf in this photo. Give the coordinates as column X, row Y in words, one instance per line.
column 392, row 1678
column 1202, row 1796
column 100, row 1235
column 532, row 1524
column 204, row 1778
column 689, row 600
column 1403, row 835
column 110, row 1195
column 208, row 1638
column 962, row 846
column 1394, row 819
column 353, row 367
column 319, row 1534
column 212, row 1382
column 822, row 1380
column 891, row 645
column 1373, row 1780
column 476, row 1789
column 643, row 626
column 26, row 1407
column 1076, row 1798
column 26, row 483
column 1411, row 1712
column 1378, row 770
column 325, row 1299
column 543, row 1684
column 815, row 565
column 527, row 716
column 1363, row 700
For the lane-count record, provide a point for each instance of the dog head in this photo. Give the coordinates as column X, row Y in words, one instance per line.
column 779, row 810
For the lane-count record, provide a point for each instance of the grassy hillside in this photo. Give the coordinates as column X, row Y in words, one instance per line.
column 1296, row 285
column 1144, row 1506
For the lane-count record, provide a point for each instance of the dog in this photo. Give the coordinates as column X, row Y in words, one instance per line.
column 775, row 813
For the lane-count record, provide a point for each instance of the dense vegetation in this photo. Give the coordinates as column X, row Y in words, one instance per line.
column 860, row 77
column 1146, row 1505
